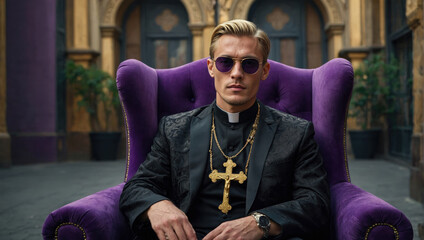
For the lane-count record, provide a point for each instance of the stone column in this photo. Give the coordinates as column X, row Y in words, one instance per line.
column 109, row 60
column 78, row 32
column 356, row 56
column 79, row 50
column 335, row 39
column 5, row 160
column 201, row 26
column 414, row 13
column 109, row 35
column 31, row 80
column 355, row 23
column 198, row 44
column 207, row 34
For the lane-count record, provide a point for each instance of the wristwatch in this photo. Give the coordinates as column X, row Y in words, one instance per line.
column 263, row 222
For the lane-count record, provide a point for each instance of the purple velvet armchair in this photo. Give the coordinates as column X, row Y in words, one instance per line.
column 320, row 95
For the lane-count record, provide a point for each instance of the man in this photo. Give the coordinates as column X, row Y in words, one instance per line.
column 235, row 169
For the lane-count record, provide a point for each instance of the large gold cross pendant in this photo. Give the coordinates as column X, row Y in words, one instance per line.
column 227, row 176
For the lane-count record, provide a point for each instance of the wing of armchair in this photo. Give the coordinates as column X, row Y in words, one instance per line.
column 356, row 214
column 98, row 216
column 319, row 95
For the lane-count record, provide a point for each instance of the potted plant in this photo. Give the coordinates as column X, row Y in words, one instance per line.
column 99, row 97
column 375, row 80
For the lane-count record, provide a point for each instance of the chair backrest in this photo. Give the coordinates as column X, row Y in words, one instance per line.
column 319, row 95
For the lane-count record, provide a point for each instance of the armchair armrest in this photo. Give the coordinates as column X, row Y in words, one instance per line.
column 357, row 214
column 94, row 217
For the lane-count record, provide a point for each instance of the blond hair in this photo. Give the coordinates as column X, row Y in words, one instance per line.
column 239, row 27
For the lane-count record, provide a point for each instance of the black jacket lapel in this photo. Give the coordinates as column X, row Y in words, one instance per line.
column 263, row 141
column 199, row 147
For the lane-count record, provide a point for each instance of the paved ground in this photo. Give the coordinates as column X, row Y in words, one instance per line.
column 30, row 193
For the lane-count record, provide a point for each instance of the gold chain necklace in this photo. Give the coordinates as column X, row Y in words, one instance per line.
column 229, row 164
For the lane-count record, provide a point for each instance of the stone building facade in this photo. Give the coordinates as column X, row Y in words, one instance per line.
column 415, row 19
column 39, row 117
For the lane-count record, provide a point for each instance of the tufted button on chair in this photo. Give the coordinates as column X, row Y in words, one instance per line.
column 319, row 95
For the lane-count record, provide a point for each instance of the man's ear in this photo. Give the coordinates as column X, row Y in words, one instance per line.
column 210, row 67
column 265, row 72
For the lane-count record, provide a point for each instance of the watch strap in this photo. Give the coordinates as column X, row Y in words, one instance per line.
column 264, row 228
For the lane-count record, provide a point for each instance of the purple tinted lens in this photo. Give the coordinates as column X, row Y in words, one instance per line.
column 225, row 64
column 250, row 65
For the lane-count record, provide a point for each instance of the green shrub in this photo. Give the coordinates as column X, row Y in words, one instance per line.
column 97, row 89
column 375, row 82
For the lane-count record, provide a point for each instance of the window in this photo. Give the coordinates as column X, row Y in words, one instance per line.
column 296, row 31
column 157, row 33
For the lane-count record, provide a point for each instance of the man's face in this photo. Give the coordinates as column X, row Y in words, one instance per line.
column 236, row 90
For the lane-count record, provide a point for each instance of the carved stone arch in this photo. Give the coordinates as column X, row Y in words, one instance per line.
column 200, row 14
column 240, row 9
column 330, row 9
column 197, row 10
column 108, row 12
column 324, row 10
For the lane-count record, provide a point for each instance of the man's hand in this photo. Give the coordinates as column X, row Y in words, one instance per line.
column 169, row 222
column 242, row 228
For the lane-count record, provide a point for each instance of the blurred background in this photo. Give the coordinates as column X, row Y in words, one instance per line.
column 49, row 49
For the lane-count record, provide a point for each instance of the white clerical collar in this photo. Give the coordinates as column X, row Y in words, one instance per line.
column 232, row 117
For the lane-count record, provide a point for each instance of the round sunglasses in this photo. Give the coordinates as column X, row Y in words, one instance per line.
column 225, row 64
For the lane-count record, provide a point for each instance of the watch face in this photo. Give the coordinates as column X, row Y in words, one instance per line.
column 263, row 221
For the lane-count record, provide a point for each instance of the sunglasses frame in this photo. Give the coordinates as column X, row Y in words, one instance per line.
column 241, row 62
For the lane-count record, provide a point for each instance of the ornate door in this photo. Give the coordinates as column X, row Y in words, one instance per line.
column 296, row 30
column 156, row 32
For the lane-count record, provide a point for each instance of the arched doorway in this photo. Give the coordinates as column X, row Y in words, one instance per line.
column 157, row 33
column 296, row 30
